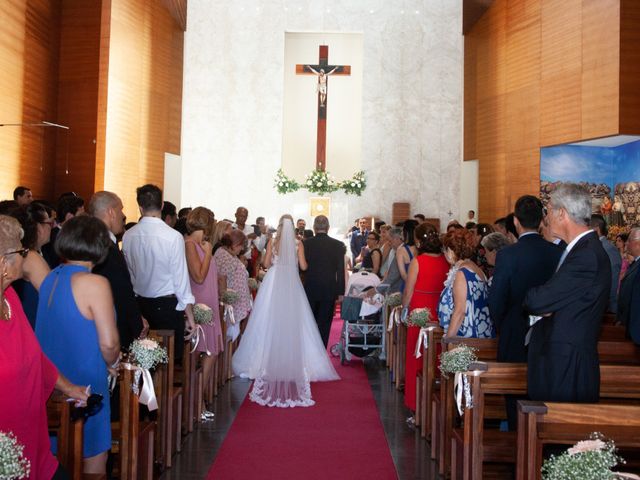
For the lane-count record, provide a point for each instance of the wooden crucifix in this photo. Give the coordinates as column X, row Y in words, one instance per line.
column 322, row 72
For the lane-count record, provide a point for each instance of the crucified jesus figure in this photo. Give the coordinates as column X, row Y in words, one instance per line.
column 322, row 82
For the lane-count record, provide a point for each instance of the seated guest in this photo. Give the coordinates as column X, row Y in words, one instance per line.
column 107, row 207
column 600, row 227
column 427, row 273
column 463, row 310
column 232, row 273
column 27, row 376
column 203, row 276
column 76, row 325
column 371, row 256
column 69, row 205
column 36, row 225
column 155, row 256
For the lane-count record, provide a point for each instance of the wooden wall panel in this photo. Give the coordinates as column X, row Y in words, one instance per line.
column 29, row 65
column 544, row 72
column 630, row 67
column 78, row 97
column 143, row 114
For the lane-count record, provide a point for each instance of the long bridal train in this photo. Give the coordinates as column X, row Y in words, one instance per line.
column 281, row 348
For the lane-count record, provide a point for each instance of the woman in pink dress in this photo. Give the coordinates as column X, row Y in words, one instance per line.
column 203, row 276
column 27, row 376
column 425, row 281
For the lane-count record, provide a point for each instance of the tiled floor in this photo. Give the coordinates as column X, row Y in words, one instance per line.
column 410, row 453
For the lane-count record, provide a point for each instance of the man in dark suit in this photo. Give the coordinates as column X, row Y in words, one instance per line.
column 563, row 353
column 324, row 277
column 628, row 281
column 530, row 262
column 107, row 207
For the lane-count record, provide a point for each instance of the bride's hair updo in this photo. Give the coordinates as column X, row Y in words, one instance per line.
column 276, row 243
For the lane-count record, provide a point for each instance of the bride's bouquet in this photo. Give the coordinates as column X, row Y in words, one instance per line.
column 202, row 314
column 229, row 297
column 13, row 463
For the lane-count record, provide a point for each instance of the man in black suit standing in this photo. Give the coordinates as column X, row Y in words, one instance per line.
column 563, row 359
column 528, row 263
column 107, row 207
column 628, row 281
column 324, row 277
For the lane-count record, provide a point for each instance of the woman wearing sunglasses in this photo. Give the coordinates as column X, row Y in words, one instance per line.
column 26, row 374
column 76, row 325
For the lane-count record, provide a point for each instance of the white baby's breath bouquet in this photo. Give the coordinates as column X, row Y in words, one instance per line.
column 394, row 300
column 419, row 317
column 253, row 284
column 13, row 464
column 202, row 314
column 229, row 297
column 147, row 353
column 590, row 459
column 457, row 360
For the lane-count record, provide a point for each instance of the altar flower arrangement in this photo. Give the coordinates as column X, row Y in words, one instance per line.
column 284, row 184
column 229, row 297
column 356, row 185
column 394, row 300
column 202, row 314
column 13, row 464
column 147, row 353
column 457, row 360
column 253, row 284
column 590, row 459
column 419, row 317
column 321, row 182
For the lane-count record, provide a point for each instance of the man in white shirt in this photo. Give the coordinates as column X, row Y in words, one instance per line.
column 156, row 259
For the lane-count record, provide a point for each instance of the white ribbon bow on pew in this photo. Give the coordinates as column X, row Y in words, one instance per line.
column 461, row 386
column 394, row 317
column 148, row 395
column 422, row 340
column 196, row 340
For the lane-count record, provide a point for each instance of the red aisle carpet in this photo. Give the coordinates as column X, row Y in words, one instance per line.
column 340, row 437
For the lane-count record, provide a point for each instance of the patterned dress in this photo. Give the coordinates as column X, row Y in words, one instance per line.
column 477, row 322
column 237, row 279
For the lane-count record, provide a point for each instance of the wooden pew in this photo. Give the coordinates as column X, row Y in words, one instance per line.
column 497, row 379
column 443, row 405
column 68, row 434
column 400, row 335
column 389, row 354
column 426, row 382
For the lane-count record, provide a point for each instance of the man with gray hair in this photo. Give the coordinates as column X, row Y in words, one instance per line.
column 563, row 362
column 324, row 277
column 107, row 207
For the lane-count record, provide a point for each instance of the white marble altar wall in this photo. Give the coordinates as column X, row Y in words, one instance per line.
column 411, row 106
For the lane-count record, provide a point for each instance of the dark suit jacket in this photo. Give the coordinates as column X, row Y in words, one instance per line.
column 528, row 263
column 563, row 352
column 324, row 278
column 48, row 250
column 624, row 294
column 633, row 322
column 128, row 319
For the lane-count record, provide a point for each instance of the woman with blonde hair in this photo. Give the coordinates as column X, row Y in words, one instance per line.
column 281, row 348
column 203, row 276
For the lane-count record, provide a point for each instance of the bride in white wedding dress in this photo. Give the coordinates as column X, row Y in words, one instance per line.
column 281, row 348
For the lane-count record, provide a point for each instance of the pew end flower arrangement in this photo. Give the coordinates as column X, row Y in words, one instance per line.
column 13, row 464
column 147, row 353
column 229, row 297
column 202, row 314
column 457, row 360
column 419, row 317
column 590, row 459
column 394, row 300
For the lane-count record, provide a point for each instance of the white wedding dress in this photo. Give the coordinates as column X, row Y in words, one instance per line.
column 281, row 348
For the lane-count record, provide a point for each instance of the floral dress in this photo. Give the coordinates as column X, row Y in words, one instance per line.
column 237, row 279
column 477, row 322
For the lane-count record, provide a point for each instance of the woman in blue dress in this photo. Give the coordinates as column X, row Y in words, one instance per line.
column 76, row 325
column 463, row 309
